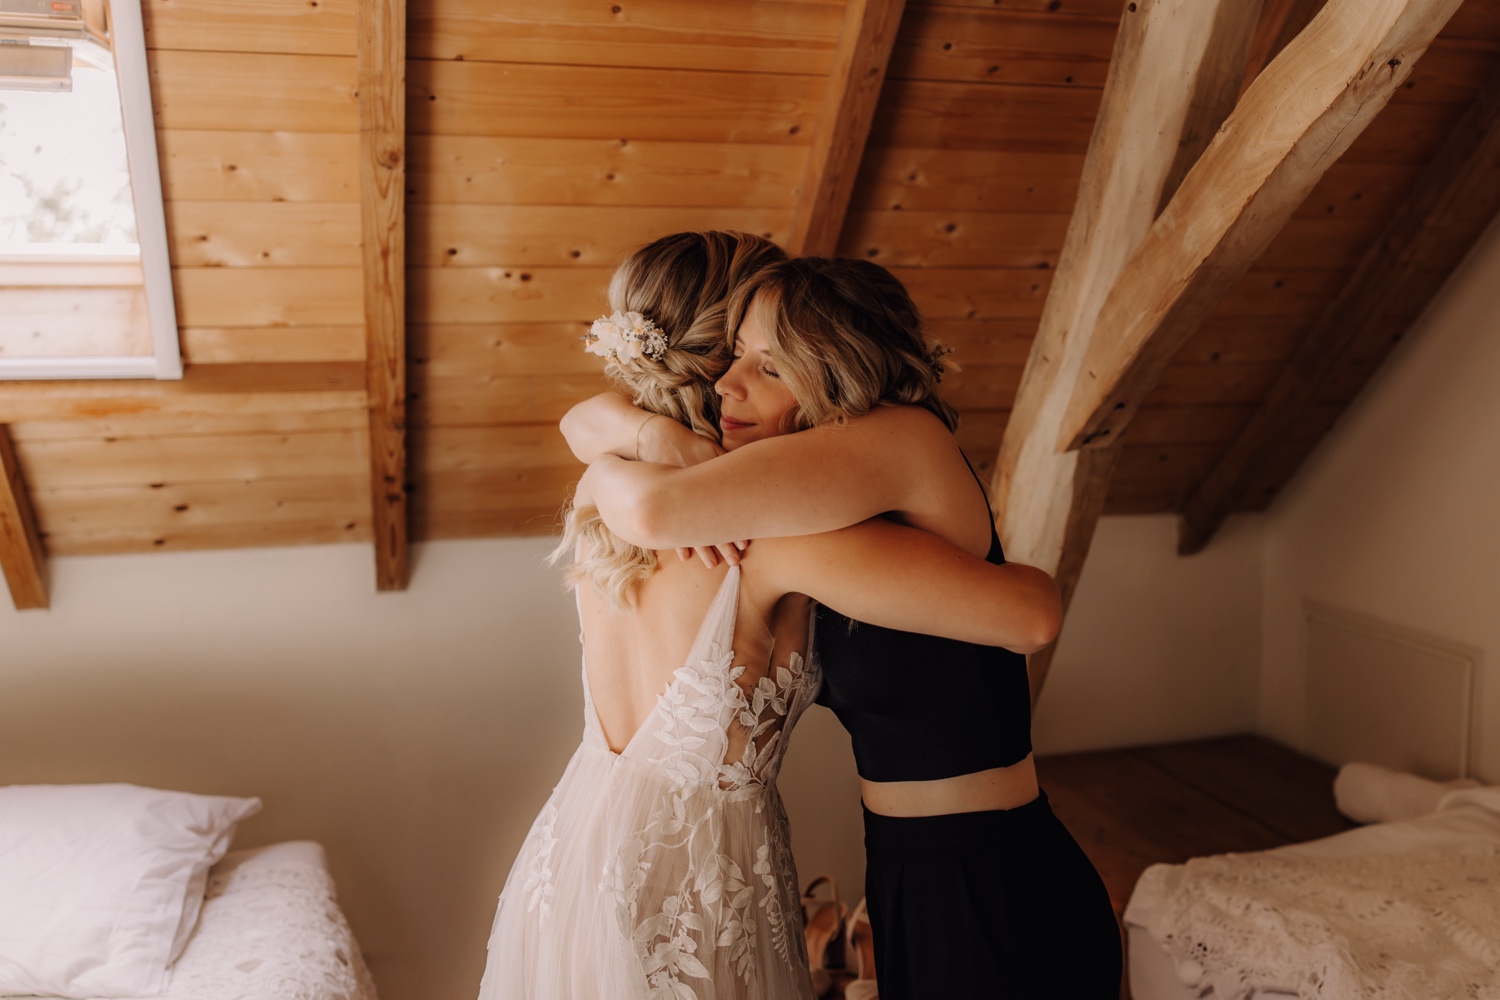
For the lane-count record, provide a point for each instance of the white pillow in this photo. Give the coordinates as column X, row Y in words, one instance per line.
column 100, row 885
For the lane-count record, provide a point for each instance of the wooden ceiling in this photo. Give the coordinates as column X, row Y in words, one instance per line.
column 543, row 139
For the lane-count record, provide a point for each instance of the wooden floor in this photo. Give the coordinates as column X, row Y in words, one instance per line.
column 1132, row 808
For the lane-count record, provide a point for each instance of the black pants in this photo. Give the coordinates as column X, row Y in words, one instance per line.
column 988, row 904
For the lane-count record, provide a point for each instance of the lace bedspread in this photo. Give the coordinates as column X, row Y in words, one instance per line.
column 1419, row 923
column 271, row 929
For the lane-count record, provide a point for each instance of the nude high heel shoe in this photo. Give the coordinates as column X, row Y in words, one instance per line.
column 862, row 947
column 823, row 926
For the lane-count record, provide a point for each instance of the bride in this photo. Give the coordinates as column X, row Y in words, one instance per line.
column 660, row 866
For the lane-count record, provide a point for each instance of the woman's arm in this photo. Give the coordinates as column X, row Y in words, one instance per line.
column 812, row 481
column 610, row 424
column 898, row 577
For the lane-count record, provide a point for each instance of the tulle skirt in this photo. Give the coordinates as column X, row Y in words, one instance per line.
column 634, row 884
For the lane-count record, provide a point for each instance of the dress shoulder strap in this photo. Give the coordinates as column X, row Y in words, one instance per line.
column 717, row 629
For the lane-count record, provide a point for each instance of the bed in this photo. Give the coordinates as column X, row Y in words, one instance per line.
column 271, row 929
column 1405, row 908
column 119, row 890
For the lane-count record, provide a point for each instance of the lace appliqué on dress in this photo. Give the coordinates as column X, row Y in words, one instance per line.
column 678, row 884
column 538, row 887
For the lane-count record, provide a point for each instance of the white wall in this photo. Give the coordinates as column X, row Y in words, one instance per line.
column 416, row 734
column 1156, row 648
column 1397, row 515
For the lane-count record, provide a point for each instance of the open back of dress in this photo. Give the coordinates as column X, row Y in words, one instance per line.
column 665, row 870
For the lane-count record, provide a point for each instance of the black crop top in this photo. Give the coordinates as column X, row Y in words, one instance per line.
column 920, row 707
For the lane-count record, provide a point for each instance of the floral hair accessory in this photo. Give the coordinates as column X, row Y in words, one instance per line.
column 625, row 336
column 935, row 354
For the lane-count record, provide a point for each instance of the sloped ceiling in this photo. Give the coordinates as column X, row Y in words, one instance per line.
column 546, row 138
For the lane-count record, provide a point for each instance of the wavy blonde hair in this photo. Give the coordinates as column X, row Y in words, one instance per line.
column 846, row 337
column 683, row 283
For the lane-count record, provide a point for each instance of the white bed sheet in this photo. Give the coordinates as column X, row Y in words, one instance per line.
column 271, row 928
column 1153, row 974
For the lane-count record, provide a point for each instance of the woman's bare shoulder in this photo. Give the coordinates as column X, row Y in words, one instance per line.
column 917, row 419
column 892, row 427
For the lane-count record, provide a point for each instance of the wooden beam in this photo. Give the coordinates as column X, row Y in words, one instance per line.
column 1047, row 503
column 1217, row 89
column 382, row 183
column 1281, row 21
column 1453, row 201
column 859, row 65
column 22, row 556
column 1292, row 124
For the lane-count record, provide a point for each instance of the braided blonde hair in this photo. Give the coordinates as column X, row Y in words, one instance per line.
column 683, row 284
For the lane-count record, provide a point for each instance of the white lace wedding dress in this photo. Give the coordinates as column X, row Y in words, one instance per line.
column 665, row 871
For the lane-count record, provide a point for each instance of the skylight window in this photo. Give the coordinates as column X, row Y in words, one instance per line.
column 85, row 288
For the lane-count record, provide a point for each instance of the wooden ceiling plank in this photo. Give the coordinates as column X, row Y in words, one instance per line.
column 843, row 126
column 282, row 26
column 22, row 556
column 451, row 97
column 1046, row 503
column 515, row 170
column 1452, row 202
column 268, row 296
column 469, row 235
column 221, row 165
column 211, row 390
column 70, row 514
column 663, row 34
column 253, row 92
column 1003, row 46
column 241, row 345
column 382, row 166
column 274, row 234
column 1294, row 121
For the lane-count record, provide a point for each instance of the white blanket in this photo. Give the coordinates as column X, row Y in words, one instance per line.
column 1397, row 910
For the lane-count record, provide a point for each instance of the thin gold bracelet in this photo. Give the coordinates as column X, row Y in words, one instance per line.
column 649, row 418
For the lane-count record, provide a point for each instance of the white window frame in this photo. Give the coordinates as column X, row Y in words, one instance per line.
column 128, row 43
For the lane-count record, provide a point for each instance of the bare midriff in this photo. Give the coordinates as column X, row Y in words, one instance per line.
column 980, row 791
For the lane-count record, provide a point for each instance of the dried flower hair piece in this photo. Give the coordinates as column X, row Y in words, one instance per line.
column 936, row 353
column 625, row 336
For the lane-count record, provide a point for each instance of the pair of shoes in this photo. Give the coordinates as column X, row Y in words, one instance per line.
column 862, row 947
column 823, row 925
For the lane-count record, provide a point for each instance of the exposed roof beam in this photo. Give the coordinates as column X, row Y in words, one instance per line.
column 1453, row 201
column 859, row 64
column 1216, row 91
column 22, row 556
column 1047, row 503
column 1281, row 21
column 382, row 184
column 1292, row 124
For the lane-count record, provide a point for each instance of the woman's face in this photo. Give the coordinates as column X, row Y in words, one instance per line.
column 755, row 401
